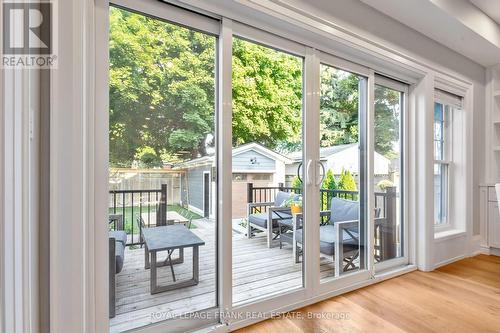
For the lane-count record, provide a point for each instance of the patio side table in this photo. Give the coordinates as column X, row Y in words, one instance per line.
column 169, row 238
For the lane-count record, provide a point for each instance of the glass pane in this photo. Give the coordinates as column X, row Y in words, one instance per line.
column 440, row 179
column 438, row 131
column 388, row 175
column 342, row 106
column 438, row 150
column 162, row 166
column 267, row 140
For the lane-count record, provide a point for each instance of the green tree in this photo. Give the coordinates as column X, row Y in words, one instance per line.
column 338, row 107
column 329, row 181
column 162, row 88
column 296, row 183
column 267, row 95
column 162, row 95
column 347, row 181
column 148, row 157
column 386, row 122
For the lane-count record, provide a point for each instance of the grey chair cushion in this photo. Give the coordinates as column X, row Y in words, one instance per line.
column 119, row 236
column 260, row 219
column 343, row 210
column 281, row 197
column 327, row 240
column 119, row 256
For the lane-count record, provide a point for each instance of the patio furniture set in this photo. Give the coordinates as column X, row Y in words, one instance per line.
column 339, row 227
column 339, row 234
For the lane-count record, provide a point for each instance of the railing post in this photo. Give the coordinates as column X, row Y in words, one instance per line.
column 388, row 232
column 280, row 186
column 161, row 216
column 249, row 192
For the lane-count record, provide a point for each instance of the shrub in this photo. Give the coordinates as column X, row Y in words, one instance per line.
column 329, row 181
column 385, row 183
column 296, row 183
column 347, row 181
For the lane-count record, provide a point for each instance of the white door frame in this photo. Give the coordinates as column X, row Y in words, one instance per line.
column 241, row 313
column 366, row 273
column 404, row 146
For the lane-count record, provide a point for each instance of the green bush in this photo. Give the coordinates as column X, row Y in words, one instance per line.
column 385, row 183
column 296, row 183
column 347, row 181
column 329, row 182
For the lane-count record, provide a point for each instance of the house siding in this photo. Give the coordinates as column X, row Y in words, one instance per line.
column 195, row 186
column 242, row 162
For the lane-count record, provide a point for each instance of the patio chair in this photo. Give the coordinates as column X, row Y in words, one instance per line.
column 117, row 242
column 259, row 213
column 339, row 233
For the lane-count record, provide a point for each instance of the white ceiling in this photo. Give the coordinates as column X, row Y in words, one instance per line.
column 489, row 7
column 458, row 24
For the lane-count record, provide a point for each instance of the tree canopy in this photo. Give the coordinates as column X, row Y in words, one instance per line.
column 162, row 95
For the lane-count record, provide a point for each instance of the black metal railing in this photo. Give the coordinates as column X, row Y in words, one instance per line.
column 268, row 194
column 151, row 205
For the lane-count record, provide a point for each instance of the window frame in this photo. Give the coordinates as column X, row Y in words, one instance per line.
column 445, row 163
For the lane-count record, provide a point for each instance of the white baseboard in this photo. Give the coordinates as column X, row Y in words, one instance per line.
column 449, row 261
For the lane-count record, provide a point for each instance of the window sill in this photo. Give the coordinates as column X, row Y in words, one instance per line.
column 448, row 234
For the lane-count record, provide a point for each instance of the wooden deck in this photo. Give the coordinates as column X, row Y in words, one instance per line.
column 257, row 271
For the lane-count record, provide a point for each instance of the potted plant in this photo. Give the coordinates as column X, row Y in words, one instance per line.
column 296, row 207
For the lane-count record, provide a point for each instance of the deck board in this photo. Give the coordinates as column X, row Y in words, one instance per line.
column 257, row 271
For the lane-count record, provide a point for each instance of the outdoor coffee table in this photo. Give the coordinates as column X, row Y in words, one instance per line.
column 169, row 238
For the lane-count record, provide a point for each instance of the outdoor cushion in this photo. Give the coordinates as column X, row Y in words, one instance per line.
column 260, row 219
column 119, row 236
column 327, row 239
column 281, row 197
column 343, row 210
column 119, row 256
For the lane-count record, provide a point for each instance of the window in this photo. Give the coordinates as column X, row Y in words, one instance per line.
column 238, row 177
column 446, row 105
column 261, row 176
column 441, row 164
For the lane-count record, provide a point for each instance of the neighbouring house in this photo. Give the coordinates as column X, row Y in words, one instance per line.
column 338, row 158
column 252, row 163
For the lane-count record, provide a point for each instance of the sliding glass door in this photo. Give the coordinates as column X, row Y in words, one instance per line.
column 267, row 113
column 247, row 171
column 342, row 162
column 162, row 167
column 391, row 231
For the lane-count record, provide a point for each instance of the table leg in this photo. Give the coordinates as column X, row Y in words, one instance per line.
column 155, row 288
column 153, row 277
column 196, row 264
column 146, row 257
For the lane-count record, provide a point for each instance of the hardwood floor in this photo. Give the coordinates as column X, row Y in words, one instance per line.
column 460, row 297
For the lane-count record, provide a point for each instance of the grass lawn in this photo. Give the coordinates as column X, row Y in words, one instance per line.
column 130, row 213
